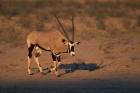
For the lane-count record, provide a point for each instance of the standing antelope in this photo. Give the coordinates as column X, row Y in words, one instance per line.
column 56, row 42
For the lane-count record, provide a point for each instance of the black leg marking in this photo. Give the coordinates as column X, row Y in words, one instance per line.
column 53, row 57
column 58, row 58
column 30, row 49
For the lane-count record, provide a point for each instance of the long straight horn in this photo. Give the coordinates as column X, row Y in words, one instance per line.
column 73, row 28
column 65, row 34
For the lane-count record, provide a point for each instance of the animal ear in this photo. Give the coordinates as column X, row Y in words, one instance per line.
column 77, row 43
column 64, row 41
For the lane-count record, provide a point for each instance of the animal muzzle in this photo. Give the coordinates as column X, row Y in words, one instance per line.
column 72, row 53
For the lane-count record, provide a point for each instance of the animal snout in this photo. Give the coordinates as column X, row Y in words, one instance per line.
column 72, row 53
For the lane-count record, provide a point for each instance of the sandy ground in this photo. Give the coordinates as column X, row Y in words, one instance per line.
column 95, row 69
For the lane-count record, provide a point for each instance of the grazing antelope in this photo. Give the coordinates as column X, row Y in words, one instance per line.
column 56, row 42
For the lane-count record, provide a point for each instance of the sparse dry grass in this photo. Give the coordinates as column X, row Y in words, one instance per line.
column 93, row 17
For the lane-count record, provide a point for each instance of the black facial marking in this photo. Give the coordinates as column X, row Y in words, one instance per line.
column 72, row 48
column 30, row 49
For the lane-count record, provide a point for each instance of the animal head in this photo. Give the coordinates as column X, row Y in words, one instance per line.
column 70, row 43
column 71, row 46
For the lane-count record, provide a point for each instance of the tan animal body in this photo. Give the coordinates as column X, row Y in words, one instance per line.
column 48, row 40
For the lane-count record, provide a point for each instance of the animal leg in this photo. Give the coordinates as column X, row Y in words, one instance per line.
column 29, row 68
column 30, row 49
column 38, row 64
column 37, row 54
column 53, row 67
column 59, row 60
column 56, row 59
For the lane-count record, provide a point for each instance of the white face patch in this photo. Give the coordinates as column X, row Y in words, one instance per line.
column 71, row 44
column 72, row 53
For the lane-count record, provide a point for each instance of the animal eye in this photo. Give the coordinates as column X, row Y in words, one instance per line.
column 63, row 40
column 71, row 42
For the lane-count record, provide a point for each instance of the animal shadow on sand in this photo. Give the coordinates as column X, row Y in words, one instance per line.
column 81, row 65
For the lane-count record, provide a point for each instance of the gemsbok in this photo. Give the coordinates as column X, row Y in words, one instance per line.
column 56, row 42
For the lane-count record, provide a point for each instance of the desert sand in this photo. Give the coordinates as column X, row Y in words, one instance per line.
column 92, row 70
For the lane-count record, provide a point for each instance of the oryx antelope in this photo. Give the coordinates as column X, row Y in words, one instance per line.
column 56, row 42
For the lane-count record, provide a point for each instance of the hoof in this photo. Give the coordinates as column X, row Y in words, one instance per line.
column 30, row 73
column 52, row 69
column 59, row 64
column 57, row 74
column 49, row 71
